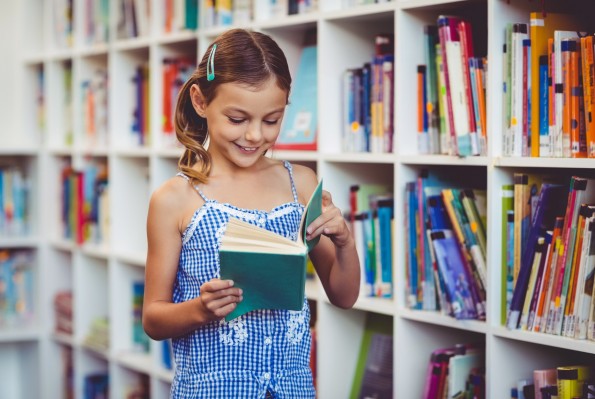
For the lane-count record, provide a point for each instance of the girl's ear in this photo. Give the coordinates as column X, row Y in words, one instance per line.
column 198, row 101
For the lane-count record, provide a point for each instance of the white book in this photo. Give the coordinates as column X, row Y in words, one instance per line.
column 516, row 85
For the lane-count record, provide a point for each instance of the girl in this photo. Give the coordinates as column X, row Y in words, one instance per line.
column 235, row 100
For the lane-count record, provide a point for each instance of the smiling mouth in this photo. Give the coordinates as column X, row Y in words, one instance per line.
column 247, row 149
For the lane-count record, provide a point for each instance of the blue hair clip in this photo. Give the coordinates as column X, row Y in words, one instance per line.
column 211, row 64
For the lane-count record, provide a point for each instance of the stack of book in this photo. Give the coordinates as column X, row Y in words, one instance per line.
column 553, row 261
column 446, row 248
column 451, row 91
column 548, row 90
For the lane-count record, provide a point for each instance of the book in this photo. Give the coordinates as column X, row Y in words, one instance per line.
column 300, row 123
column 551, row 204
column 570, row 380
column 542, row 27
column 373, row 376
column 460, row 367
column 543, row 378
column 269, row 268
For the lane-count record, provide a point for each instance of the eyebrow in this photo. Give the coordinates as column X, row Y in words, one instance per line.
column 235, row 109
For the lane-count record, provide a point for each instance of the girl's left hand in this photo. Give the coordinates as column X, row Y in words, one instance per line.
column 331, row 223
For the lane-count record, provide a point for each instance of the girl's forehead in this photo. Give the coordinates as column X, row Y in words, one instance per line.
column 243, row 95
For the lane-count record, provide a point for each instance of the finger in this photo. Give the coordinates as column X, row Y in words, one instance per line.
column 214, row 306
column 217, row 285
column 327, row 198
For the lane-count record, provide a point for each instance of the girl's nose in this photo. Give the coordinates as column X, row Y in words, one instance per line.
column 254, row 132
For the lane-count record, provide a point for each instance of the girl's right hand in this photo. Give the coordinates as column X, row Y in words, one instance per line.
column 218, row 298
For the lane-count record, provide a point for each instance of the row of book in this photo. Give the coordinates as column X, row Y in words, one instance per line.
column 451, row 91
column 548, row 94
column 17, row 287
column 15, row 189
column 98, row 337
column 94, row 93
column 98, row 333
column 63, row 311
column 456, row 372
column 226, row 12
column 176, row 71
column 96, row 386
column 96, row 22
column 368, row 101
column 445, row 248
column 180, row 15
column 133, row 18
column 140, row 339
column 62, row 22
column 85, row 206
column 562, row 382
column 139, row 122
column 372, row 222
column 552, row 263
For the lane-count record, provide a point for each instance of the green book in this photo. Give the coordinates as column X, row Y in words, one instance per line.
column 269, row 268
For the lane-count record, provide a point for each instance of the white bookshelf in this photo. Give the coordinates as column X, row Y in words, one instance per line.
column 101, row 275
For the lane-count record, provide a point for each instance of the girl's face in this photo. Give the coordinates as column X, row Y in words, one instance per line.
column 243, row 121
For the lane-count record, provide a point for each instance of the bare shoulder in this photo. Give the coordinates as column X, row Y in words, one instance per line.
column 305, row 181
column 170, row 193
column 168, row 201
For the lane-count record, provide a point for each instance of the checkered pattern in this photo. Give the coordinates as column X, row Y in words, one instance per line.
column 259, row 352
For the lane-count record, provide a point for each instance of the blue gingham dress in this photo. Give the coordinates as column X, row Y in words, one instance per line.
column 262, row 353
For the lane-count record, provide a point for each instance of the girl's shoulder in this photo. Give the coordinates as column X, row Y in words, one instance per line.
column 173, row 194
column 305, row 181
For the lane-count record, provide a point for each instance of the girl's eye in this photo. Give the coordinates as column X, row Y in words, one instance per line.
column 235, row 121
column 272, row 122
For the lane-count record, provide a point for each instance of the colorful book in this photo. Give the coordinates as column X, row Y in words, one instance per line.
column 269, row 268
column 542, row 26
column 551, row 203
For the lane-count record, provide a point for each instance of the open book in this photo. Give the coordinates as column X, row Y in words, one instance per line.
column 269, row 268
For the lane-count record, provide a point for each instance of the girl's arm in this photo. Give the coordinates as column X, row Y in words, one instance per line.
column 162, row 318
column 335, row 257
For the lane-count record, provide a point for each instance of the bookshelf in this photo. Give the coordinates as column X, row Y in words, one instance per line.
column 100, row 274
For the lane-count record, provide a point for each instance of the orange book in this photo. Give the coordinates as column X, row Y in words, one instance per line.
column 479, row 77
column 588, row 63
column 568, row 323
column 542, row 27
column 577, row 150
column 549, row 276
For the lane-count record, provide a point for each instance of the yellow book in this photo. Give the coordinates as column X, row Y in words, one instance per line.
column 570, row 381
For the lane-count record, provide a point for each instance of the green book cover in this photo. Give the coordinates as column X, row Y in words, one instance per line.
column 269, row 268
column 377, row 327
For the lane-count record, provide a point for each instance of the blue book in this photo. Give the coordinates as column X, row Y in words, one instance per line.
column 300, row 123
column 385, row 218
column 544, row 146
column 452, row 269
column 411, row 209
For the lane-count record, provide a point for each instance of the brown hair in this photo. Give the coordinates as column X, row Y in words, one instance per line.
column 242, row 56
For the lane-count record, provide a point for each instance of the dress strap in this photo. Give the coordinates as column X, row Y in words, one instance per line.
column 195, row 186
column 293, row 189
